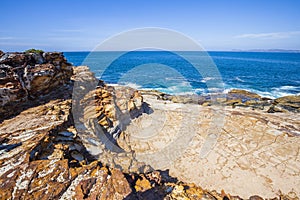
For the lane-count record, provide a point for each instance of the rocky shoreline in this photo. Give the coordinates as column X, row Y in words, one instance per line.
column 235, row 98
column 44, row 155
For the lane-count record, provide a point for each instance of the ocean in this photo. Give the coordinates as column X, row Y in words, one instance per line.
column 270, row 74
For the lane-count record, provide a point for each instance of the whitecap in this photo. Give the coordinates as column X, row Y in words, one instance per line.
column 288, row 87
column 204, row 80
column 239, row 79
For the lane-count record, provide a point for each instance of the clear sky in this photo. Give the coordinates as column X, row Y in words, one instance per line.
column 70, row 25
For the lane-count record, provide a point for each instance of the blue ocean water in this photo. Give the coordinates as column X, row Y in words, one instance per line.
column 270, row 74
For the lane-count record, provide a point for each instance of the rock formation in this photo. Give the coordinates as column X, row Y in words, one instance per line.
column 235, row 98
column 24, row 77
column 44, row 154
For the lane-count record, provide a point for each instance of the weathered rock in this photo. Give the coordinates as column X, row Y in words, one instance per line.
column 101, row 116
column 274, row 109
column 12, row 89
column 289, row 103
column 142, row 184
column 26, row 76
column 233, row 102
column 243, row 94
column 234, row 98
column 34, row 164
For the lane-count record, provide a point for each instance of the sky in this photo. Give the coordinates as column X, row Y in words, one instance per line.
column 77, row 25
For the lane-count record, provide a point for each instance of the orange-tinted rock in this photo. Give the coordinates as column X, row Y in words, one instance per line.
column 142, row 184
column 26, row 76
column 241, row 94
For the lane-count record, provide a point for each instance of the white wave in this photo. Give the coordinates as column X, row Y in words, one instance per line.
column 285, row 90
column 273, row 93
column 180, row 89
column 113, row 84
column 128, row 84
column 184, row 88
column 200, row 91
column 216, row 90
column 204, row 80
column 287, row 87
column 266, row 94
column 239, row 79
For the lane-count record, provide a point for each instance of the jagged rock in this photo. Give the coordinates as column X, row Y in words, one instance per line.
column 101, row 116
column 34, row 164
column 142, row 184
column 11, row 88
column 26, row 76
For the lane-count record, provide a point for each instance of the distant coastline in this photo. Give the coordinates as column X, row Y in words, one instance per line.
column 267, row 50
column 232, row 50
column 204, row 50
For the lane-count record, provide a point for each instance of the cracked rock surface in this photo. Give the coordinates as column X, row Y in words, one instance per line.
column 251, row 151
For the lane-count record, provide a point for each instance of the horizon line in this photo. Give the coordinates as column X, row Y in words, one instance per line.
column 145, row 50
column 232, row 50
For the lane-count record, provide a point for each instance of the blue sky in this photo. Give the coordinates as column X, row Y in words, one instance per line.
column 71, row 25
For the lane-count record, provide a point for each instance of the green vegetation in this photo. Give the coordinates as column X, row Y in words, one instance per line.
column 34, row 51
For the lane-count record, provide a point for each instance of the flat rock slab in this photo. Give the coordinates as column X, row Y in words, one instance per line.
column 240, row 150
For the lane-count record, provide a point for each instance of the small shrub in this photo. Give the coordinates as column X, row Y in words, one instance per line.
column 34, row 51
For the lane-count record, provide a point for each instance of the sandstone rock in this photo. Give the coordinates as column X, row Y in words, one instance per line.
column 11, row 87
column 206, row 103
column 142, row 184
column 37, row 165
column 233, row 102
column 26, row 76
column 274, row 109
column 107, row 111
column 243, row 94
column 289, row 103
column 189, row 191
